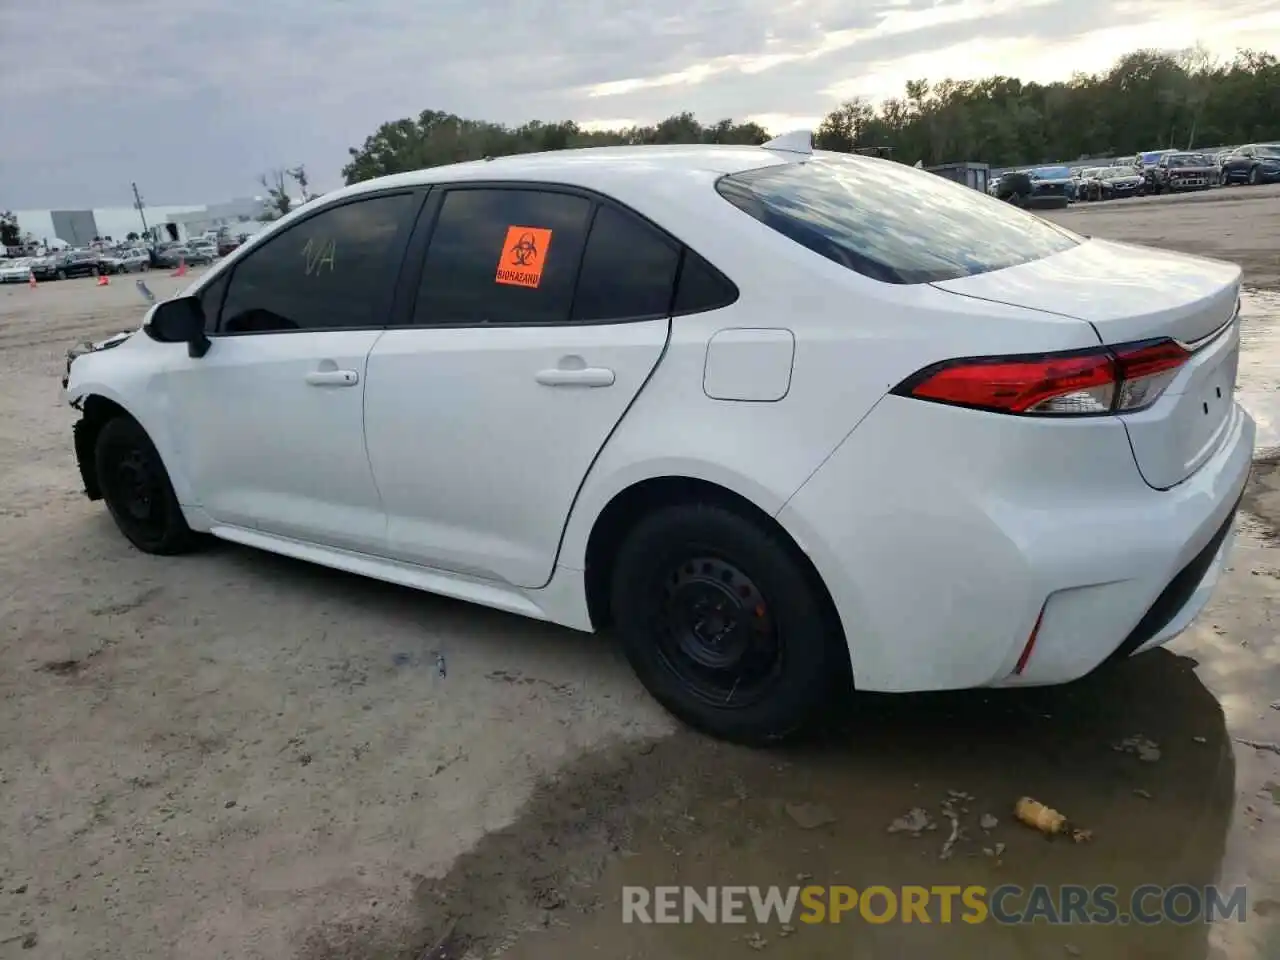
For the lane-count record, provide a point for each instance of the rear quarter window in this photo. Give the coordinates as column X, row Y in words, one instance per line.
column 891, row 222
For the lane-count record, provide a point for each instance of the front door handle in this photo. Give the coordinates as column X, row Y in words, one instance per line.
column 333, row 378
column 584, row 377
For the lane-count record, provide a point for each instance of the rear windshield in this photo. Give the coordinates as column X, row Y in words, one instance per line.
column 891, row 222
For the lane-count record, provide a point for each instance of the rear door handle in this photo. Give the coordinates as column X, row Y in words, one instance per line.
column 333, row 378
column 585, row 377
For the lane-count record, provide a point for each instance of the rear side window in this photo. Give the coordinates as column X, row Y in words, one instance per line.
column 628, row 270
column 890, row 222
column 503, row 256
column 702, row 287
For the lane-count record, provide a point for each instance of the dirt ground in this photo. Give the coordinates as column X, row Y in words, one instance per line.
column 238, row 755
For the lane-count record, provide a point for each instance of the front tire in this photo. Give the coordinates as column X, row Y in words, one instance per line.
column 723, row 624
column 137, row 491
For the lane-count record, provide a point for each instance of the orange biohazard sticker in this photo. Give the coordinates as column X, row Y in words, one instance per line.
column 524, row 254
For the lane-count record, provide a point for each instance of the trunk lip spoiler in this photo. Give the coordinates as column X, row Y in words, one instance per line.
column 1200, row 343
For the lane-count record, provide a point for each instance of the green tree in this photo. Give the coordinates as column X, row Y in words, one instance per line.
column 10, row 233
column 1147, row 100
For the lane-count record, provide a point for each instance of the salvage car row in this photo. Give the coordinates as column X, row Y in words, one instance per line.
column 1152, row 172
column 70, row 263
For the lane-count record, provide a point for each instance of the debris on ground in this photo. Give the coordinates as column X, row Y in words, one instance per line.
column 988, row 822
column 756, row 942
column 1259, row 744
column 915, row 821
column 1081, row 836
column 1139, row 792
column 810, row 816
column 1143, row 748
column 1199, row 739
column 949, row 811
column 440, row 665
column 787, row 930
column 1039, row 817
column 1072, row 949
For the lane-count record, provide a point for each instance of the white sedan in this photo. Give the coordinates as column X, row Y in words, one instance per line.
column 15, row 271
column 788, row 421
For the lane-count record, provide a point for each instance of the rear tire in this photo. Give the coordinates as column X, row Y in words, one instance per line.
column 137, row 491
column 723, row 624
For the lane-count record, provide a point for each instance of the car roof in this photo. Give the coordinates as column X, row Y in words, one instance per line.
column 608, row 169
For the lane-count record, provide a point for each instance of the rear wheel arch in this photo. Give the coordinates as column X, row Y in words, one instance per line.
column 633, row 503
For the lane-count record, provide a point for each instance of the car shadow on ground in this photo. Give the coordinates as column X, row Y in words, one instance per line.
column 1139, row 755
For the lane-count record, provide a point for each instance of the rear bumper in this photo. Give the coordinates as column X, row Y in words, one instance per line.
column 944, row 535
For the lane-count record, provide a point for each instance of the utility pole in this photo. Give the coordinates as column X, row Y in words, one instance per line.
column 137, row 202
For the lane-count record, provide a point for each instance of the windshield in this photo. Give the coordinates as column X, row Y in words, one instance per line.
column 891, row 222
column 1050, row 173
column 1268, row 150
column 1113, row 172
column 1189, row 160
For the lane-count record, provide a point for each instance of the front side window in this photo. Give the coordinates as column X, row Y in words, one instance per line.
column 502, row 256
column 334, row 270
column 891, row 222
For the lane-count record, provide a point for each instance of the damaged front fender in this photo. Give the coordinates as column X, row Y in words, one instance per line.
column 80, row 349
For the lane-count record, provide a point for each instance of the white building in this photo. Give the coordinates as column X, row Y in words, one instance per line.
column 79, row 227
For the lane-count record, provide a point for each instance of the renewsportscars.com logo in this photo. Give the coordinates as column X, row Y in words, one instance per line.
column 1067, row 904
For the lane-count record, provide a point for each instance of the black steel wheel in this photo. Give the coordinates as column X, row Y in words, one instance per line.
column 137, row 490
column 723, row 621
column 716, row 632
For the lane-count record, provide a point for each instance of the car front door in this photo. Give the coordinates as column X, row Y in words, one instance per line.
column 272, row 416
column 538, row 316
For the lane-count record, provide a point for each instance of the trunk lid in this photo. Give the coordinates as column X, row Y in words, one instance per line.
column 1130, row 293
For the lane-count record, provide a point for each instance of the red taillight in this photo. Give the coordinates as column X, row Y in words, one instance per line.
column 1105, row 380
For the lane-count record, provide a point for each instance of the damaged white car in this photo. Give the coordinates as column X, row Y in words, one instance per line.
column 789, row 421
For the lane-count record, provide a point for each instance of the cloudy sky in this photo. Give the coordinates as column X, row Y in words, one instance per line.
column 193, row 101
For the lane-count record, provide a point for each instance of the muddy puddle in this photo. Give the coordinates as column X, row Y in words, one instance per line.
column 1141, row 756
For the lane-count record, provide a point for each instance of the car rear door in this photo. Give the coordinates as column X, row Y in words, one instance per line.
column 272, row 416
column 538, row 316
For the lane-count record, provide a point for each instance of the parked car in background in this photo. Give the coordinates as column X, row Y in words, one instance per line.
column 202, row 251
column 68, row 263
column 1111, row 183
column 1044, row 187
column 15, row 271
column 161, row 253
column 993, row 186
column 227, row 244
column 1255, row 163
column 1145, row 163
column 1184, row 171
column 799, row 421
column 1082, row 176
column 170, row 255
column 129, row 260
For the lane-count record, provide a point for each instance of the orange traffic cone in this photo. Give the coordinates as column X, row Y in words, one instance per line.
column 102, row 280
column 182, row 268
column 31, row 279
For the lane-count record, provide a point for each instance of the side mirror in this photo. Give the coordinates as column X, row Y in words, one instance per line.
column 180, row 320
